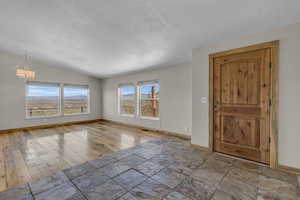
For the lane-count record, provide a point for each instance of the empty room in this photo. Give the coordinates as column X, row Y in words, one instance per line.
column 149, row 100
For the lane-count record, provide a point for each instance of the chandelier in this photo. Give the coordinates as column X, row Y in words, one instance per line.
column 24, row 69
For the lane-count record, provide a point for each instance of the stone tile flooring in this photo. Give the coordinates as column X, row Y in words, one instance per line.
column 166, row 168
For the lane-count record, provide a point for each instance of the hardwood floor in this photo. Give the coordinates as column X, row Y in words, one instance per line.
column 29, row 155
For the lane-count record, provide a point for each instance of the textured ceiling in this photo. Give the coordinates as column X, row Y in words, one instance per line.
column 109, row 37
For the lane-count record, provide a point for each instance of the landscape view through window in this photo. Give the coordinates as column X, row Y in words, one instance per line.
column 149, row 100
column 127, row 100
column 45, row 100
column 75, row 100
column 42, row 100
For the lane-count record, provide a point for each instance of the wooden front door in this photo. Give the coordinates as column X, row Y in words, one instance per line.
column 241, row 104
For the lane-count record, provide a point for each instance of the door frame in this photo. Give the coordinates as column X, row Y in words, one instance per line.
column 274, row 47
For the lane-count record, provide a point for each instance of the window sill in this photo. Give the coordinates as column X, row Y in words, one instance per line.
column 55, row 116
column 140, row 117
column 150, row 118
column 43, row 117
column 75, row 114
column 126, row 115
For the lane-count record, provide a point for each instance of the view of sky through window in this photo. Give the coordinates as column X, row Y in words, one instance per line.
column 48, row 91
column 69, row 92
column 39, row 91
column 127, row 91
column 144, row 90
column 147, row 89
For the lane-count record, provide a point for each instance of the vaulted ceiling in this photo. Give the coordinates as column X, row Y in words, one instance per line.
column 109, row 37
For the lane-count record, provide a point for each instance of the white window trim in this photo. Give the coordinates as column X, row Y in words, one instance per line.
column 119, row 100
column 148, row 83
column 61, row 100
column 88, row 100
column 136, row 87
column 150, row 118
column 127, row 115
column 26, row 103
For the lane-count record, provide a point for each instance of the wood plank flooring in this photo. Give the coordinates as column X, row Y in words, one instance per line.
column 29, row 155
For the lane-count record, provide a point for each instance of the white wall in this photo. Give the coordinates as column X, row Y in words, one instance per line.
column 12, row 92
column 175, row 98
column 289, row 91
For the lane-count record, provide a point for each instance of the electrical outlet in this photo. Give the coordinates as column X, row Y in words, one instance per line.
column 203, row 99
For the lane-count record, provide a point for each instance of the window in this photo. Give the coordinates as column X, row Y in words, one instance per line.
column 42, row 100
column 149, row 99
column 127, row 100
column 76, row 99
column 54, row 99
column 147, row 105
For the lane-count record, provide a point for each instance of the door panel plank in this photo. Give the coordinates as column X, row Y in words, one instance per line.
column 253, row 83
column 226, row 84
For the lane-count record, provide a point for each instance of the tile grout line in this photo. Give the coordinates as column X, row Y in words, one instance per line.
column 77, row 188
column 148, row 177
column 30, row 190
column 217, row 187
column 135, row 186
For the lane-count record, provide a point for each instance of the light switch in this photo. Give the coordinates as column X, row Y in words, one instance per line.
column 203, row 99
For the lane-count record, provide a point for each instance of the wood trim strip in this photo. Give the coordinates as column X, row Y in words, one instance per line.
column 141, row 128
column 274, row 47
column 179, row 135
column 288, row 169
column 274, row 106
column 202, row 148
column 47, row 126
column 211, row 103
column 265, row 45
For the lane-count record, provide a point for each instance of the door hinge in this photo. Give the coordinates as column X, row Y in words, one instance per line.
column 270, row 102
column 270, row 65
column 269, row 140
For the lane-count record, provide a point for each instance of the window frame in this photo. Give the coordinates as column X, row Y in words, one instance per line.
column 140, row 85
column 61, row 87
column 45, row 84
column 63, row 99
column 128, row 85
